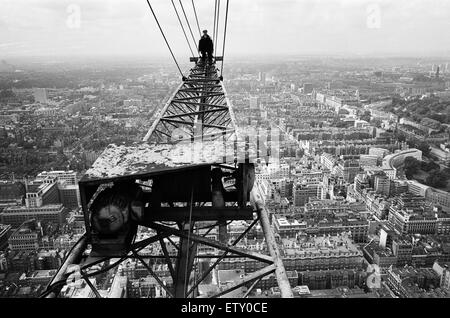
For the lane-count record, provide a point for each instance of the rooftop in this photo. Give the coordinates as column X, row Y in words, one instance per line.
column 322, row 246
column 13, row 209
column 411, row 271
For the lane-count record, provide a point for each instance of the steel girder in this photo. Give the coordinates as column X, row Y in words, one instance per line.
column 176, row 263
column 198, row 110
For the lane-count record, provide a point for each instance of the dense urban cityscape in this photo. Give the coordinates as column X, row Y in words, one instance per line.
column 359, row 199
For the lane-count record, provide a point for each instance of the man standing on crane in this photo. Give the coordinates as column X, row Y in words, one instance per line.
column 206, row 46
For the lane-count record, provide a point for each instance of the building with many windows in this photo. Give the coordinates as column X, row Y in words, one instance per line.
column 287, row 228
column 403, row 250
column 324, row 208
column 397, row 159
column 303, row 192
column 67, row 184
column 16, row 215
column 68, row 177
column 42, row 192
column 410, row 282
column 382, row 185
column 332, row 279
column 410, row 214
column 348, row 169
column 26, row 238
column 442, row 269
column 321, row 253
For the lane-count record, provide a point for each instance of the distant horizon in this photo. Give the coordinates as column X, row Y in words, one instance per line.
column 231, row 57
column 99, row 28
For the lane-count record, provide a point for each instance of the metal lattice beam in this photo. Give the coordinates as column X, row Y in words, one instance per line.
column 198, row 107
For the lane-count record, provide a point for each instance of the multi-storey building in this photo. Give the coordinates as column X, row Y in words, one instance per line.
column 403, row 250
column 410, row 214
column 368, row 160
column 16, row 215
column 67, row 177
column 305, row 253
column 382, row 185
column 397, row 159
column 269, row 281
column 356, row 227
column 278, row 170
column 348, row 169
column 287, row 228
column 435, row 196
column 442, row 269
column 69, row 193
column 328, row 161
column 443, row 223
column 362, row 182
column 42, row 193
column 26, row 237
column 325, row 208
column 378, row 152
column 410, row 282
column 321, row 253
column 302, row 192
column 331, row 279
column 439, row 197
column 384, row 258
column 417, row 188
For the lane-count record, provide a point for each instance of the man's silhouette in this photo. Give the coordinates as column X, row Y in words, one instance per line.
column 206, row 46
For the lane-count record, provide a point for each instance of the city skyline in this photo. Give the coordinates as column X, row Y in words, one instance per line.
column 312, row 160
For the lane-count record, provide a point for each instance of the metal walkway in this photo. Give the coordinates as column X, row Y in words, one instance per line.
column 199, row 109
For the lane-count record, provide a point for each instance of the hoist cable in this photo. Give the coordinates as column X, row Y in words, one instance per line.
column 217, row 27
column 224, row 36
column 165, row 39
column 215, row 17
column 196, row 18
column 182, row 27
column 188, row 24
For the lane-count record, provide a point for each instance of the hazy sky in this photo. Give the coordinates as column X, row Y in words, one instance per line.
column 113, row 27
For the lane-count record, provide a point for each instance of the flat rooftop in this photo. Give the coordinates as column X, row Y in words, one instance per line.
column 140, row 159
column 321, row 247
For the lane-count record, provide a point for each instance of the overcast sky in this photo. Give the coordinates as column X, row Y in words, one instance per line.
column 113, row 27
